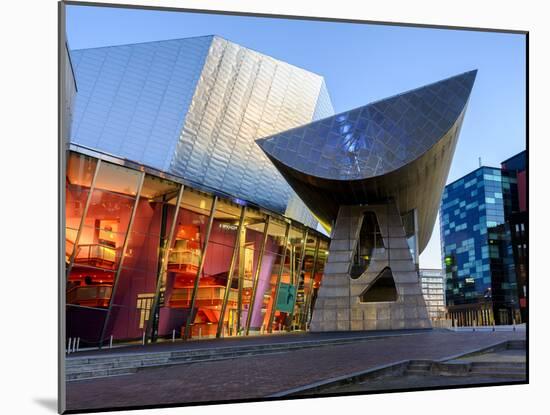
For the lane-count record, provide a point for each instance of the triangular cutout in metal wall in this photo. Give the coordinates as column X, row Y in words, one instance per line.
column 382, row 289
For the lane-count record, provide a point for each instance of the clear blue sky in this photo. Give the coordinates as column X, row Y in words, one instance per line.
column 361, row 63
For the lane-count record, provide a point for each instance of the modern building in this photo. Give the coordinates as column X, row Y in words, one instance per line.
column 193, row 108
column 177, row 224
column 517, row 218
column 482, row 265
column 181, row 221
column 432, row 282
column 375, row 175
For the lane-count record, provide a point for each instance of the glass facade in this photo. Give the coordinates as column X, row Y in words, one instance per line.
column 152, row 258
column 433, row 289
column 476, row 248
column 193, row 107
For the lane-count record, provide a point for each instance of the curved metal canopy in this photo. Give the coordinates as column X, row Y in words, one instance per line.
column 397, row 148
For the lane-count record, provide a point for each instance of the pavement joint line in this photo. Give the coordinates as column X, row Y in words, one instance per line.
column 349, row 377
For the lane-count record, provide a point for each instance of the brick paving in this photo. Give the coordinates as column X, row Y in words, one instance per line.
column 255, row 377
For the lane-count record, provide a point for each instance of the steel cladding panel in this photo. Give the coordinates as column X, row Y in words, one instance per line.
column 244, row 95
column 324, row 106
column 377, row 138
column 132, row 99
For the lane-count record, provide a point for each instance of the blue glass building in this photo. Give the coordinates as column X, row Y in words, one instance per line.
column 477, row 251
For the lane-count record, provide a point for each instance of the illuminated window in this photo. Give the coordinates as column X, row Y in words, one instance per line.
column 144, row 304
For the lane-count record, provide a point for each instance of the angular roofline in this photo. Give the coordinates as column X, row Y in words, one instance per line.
column 142, row 43
column 68, row 50
column 472, row 172
column 514, row 156
column 201, row 36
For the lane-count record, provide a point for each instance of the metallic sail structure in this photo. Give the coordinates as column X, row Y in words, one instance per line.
column 397, row 148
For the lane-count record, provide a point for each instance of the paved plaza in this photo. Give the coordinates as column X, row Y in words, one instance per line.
column 256, row 377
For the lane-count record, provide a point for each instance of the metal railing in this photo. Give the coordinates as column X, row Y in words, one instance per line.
column 95, row 253
column 89, row 295
column 183, row 259
column 206, row 295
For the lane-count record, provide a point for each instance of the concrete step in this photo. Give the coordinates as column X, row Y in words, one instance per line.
column 521, row 365
column 516, row 344
column 499, row 369
column 419, row 365
column 514, row 375
column 115, row 364
column 100, row 373
column 417, row 372
column 78, row 361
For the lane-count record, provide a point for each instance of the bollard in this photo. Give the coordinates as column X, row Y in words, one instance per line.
column 279, row 327
column 111, row 342
column 69, row 346
column 262, row 329
column 78, row 344
column 173, row 335
column 200, row 332
column 143, row 339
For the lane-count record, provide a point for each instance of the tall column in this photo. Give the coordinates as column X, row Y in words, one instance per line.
column 191, row 316
column 121, row 261
column 256, row 277
column 307, row 302
column 278, row 283
column 161, row 276
column 83, row 219
column 298, row 274
column 230, row 275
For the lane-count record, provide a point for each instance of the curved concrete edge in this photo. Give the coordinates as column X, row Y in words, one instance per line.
column 377, row 371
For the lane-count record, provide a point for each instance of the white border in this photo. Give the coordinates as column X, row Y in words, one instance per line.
column 29, row 170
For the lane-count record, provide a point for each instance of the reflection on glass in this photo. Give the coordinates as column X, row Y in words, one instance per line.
column 369, row 242
column 322, row 255
column 249, row 255
column 137, row 281
column 98, row 250
column 182, row 267
column 80, row 172
column 274, row 249
column 98, row 218
column 288, row 287
column 305, row 285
